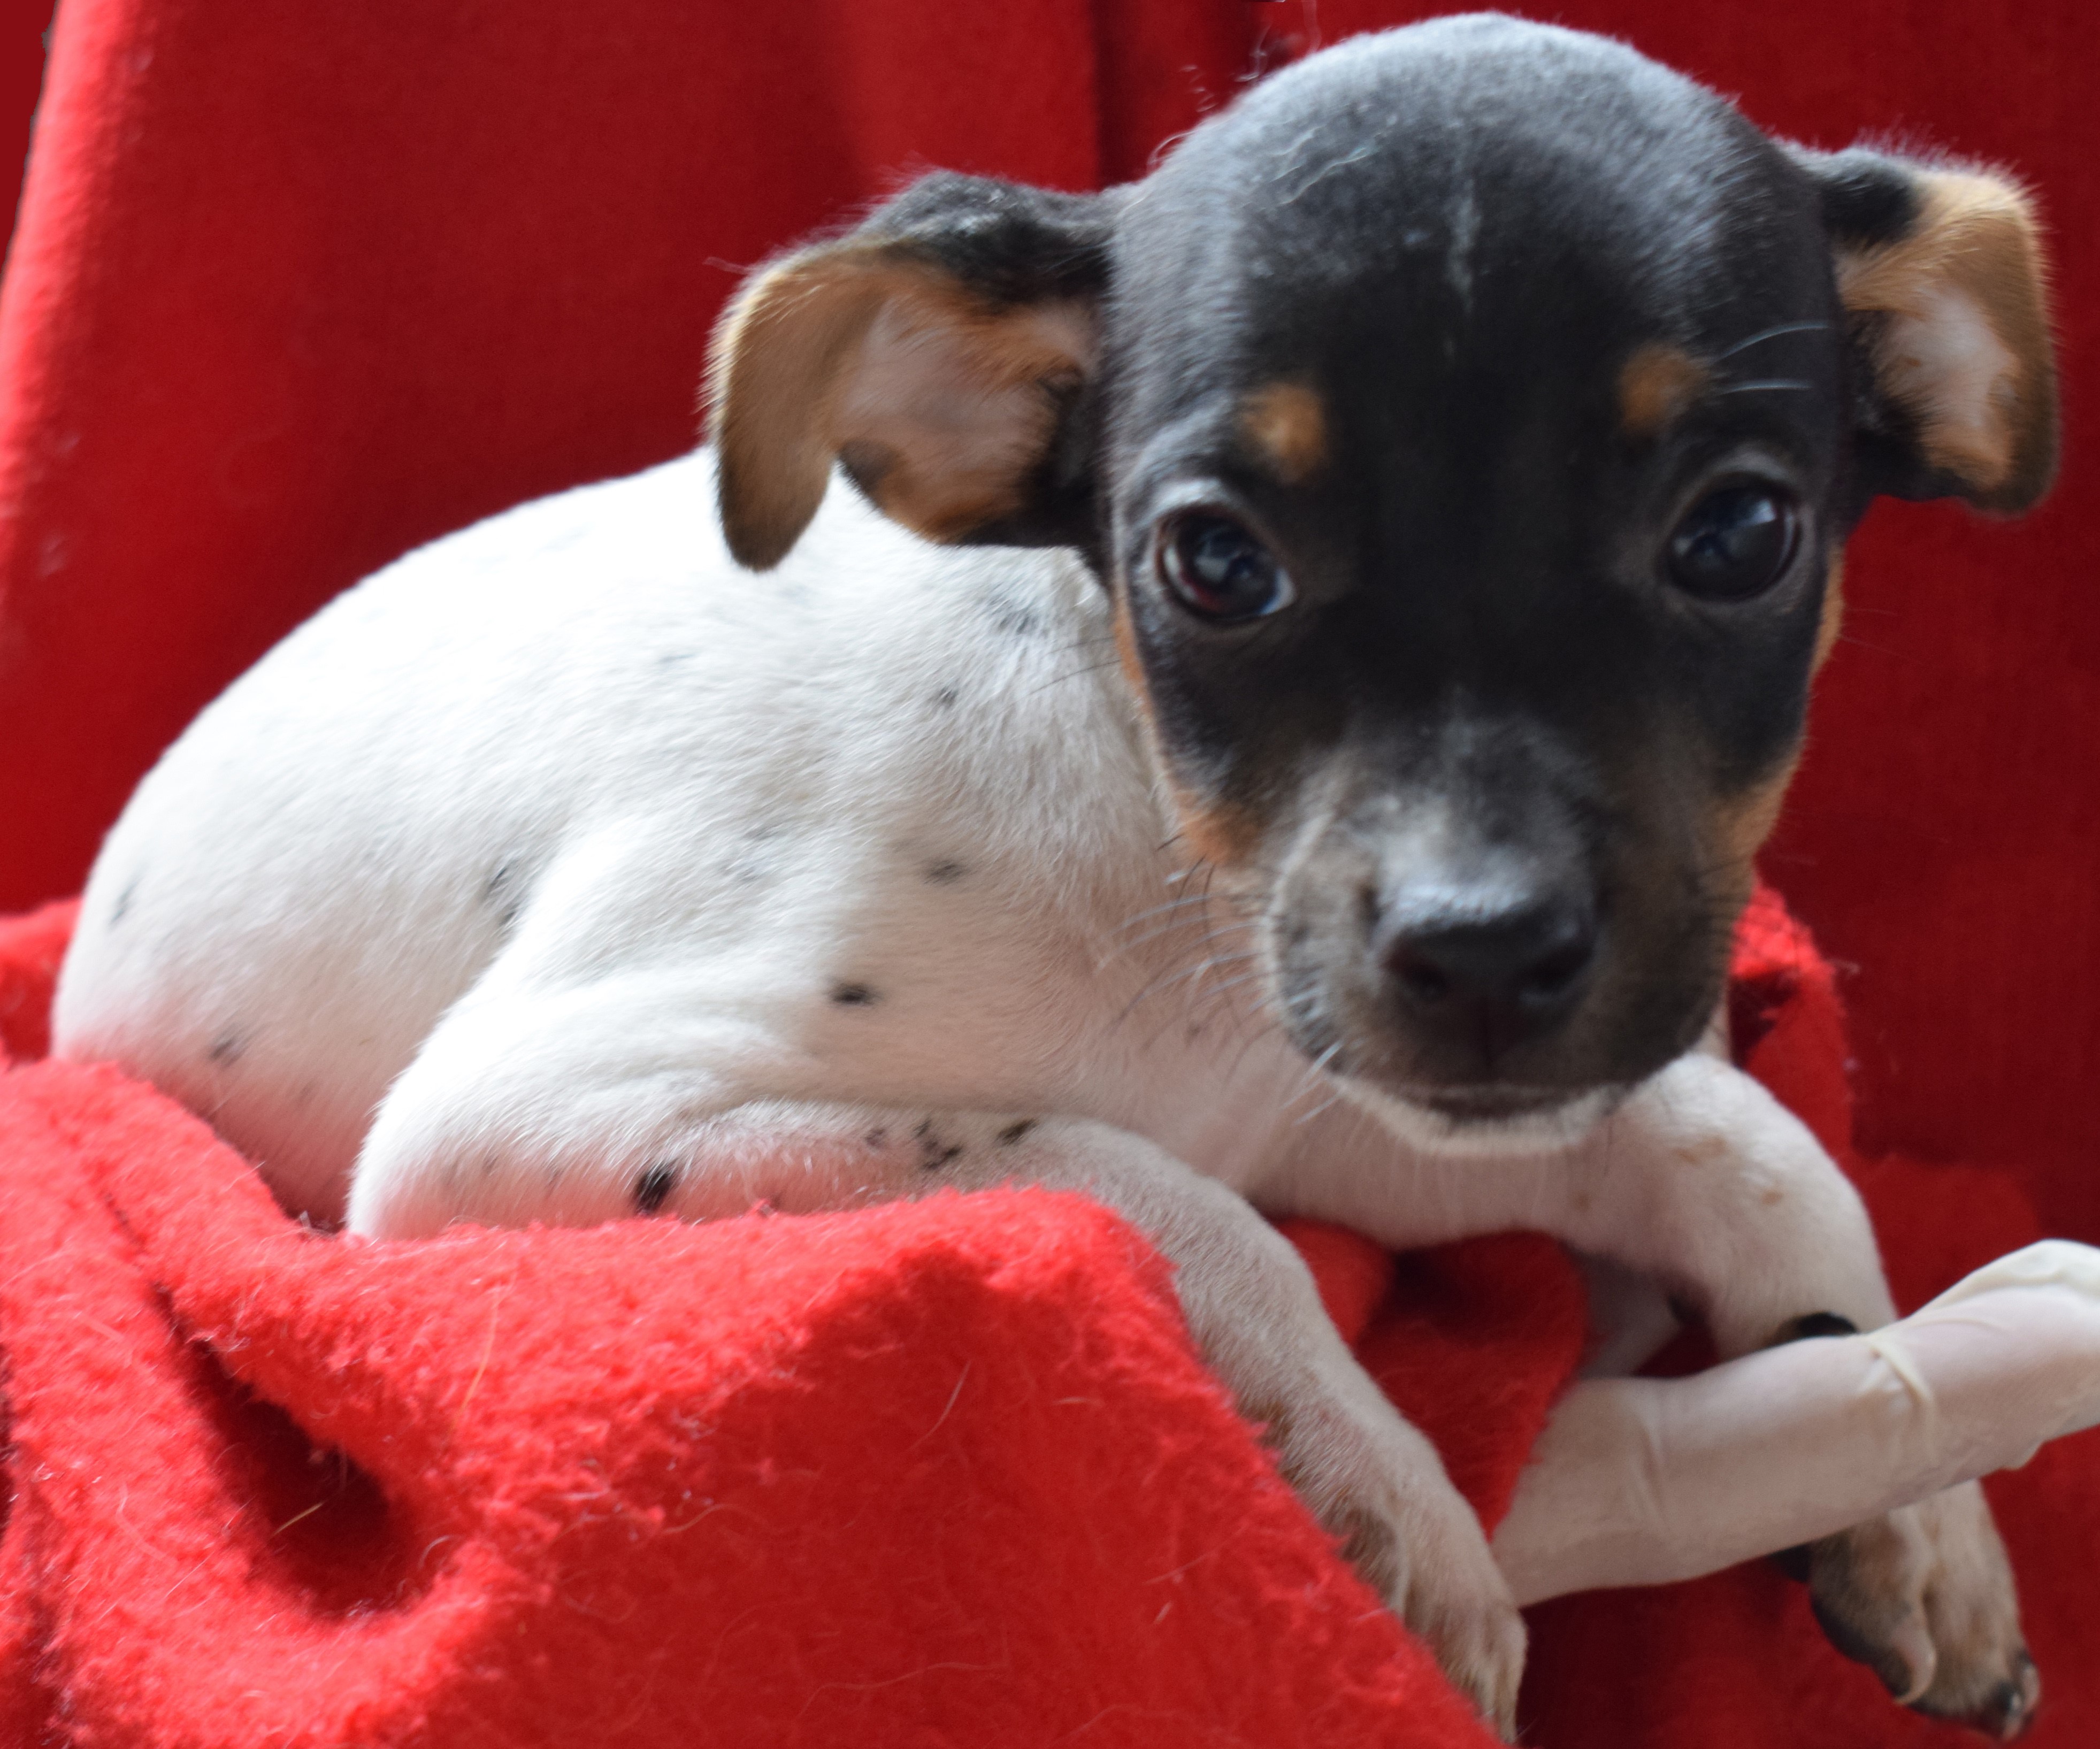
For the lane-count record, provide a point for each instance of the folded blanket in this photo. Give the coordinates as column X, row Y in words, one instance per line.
column 937, row 1472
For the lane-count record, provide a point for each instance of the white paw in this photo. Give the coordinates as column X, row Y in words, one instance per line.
column 1378, row 1484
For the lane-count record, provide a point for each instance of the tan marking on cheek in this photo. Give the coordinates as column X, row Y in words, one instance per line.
column 1223, row 832
column 1737, row 827
column 1656, row 385
column 1736, row 830
column 1833, row 612
column 1287, row 426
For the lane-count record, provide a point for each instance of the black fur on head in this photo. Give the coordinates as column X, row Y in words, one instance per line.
column 1467, row 422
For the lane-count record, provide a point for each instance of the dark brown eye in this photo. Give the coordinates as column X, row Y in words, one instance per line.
column 1219, row 571
column 1734, row 543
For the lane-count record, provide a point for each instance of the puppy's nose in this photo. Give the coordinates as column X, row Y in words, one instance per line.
column 1495, row 974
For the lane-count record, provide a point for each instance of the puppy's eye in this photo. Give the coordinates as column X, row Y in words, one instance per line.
column 1219, row 570
column 1734, row 543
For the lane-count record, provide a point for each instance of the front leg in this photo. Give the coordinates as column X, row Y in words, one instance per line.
column 454, row 1148
column 1703, row 1182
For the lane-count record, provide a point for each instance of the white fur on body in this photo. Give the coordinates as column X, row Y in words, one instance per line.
column 565, row 849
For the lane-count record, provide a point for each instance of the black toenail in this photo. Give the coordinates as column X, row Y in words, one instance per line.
column 1816, row 1324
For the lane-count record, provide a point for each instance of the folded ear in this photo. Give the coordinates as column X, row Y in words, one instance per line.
column 939, row 353
column 1942, row 272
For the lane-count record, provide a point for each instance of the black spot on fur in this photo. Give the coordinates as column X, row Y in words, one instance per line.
column 123, row 903
column 1014, row 1132
column 855, row 995
column 945, row 873
column 934, row 1152
column 945, row 699
column 227, row 1048
column 1014, row 620
column 670, row 659
column 500, row 892
column 877, row 1139
column 653, row 1186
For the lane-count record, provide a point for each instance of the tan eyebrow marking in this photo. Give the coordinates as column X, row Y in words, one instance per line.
column 1656, row 384
column 1285, row 423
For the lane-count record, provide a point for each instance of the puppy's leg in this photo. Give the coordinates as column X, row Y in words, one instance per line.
column 1251, row 1303
column 1705, row 1180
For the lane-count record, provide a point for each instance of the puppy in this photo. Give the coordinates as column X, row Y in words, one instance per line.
column 1280, row 720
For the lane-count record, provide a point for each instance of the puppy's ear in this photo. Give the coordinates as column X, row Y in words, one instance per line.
column 1942, row 275
column 940, row 353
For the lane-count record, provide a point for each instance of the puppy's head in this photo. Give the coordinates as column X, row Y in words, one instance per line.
column 1467, row 423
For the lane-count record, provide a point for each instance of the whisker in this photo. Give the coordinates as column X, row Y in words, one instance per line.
column 1174, row 924
column 1153, row 910
column 1762, row 383
column 1166, row 981
column 1334, row 1098
column 1310, row 1080
column 1762, row 335
column 1076, row 674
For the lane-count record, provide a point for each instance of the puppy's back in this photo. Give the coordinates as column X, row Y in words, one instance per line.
column 342, row 844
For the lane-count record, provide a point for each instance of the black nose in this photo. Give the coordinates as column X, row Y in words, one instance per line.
column 1493, row 973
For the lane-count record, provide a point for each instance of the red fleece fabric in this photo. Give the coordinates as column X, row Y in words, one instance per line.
column 294, row 288
column 939, row 1472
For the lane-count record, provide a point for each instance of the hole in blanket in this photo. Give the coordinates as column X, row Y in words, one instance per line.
column 312, row 1524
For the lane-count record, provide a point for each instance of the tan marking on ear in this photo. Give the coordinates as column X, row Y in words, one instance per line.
column 961, row 401
column 1964, row 346
column 1287, row 424
column 771, row 377
column 939, row 404
column 1832, row 619
column 1657, row 384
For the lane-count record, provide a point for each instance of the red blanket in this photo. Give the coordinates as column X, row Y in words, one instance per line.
column 945, row 1473
column 296, row 287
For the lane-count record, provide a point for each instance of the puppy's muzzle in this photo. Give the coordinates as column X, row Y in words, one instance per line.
column 1485, row 973
column 1456, row 963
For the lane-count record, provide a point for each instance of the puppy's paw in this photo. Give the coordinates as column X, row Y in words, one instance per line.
column 1925, row 1598
column 1378, row 1486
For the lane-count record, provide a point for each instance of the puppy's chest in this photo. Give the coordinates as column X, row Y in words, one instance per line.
column 995, row 990
column 946, row 874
